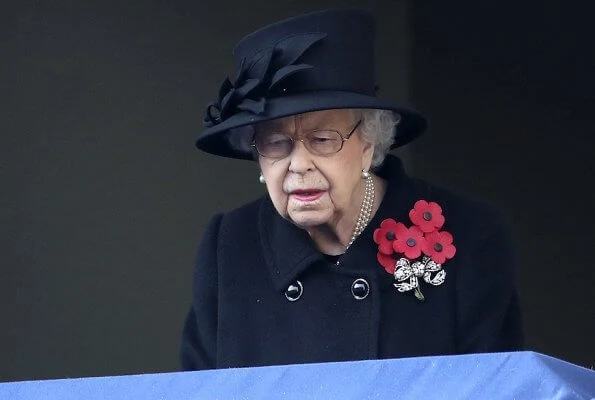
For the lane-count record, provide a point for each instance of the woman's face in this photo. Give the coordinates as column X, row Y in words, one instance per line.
column 312, row 190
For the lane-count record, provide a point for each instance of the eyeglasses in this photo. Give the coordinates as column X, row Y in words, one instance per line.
column 279, row 145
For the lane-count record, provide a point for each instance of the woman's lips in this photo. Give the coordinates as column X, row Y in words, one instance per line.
column 307, row 195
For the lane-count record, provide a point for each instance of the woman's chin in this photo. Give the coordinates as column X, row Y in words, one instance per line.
column 309, row 218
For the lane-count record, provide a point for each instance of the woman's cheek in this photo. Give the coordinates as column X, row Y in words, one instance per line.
column 338, row 199
column 280, row 200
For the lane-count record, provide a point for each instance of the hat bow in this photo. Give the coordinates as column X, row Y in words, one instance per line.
column 259, row 78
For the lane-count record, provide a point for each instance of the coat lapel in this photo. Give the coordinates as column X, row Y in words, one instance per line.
column 288, row 250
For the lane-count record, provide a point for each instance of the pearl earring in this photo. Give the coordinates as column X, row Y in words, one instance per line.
column 261, row 178
column 365, row 174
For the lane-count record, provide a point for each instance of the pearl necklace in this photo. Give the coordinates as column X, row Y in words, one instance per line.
column 365, row 211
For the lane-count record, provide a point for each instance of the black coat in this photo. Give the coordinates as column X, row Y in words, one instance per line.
column 240, row 315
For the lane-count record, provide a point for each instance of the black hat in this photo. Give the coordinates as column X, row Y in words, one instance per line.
column 317, row 61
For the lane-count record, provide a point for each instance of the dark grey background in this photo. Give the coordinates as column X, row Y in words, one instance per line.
column 104, row 198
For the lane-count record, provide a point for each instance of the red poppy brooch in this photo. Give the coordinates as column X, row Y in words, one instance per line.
column 416, row 253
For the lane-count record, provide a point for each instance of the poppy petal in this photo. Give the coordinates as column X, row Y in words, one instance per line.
column 445, row 238
column 386, row 247
column 377, row 236
column 399, row 246
column 435, row 208
column 420, row 204
column 387, row 262
column 449, row 251
column 413, row 252
column 401, row 229
column 438, row 221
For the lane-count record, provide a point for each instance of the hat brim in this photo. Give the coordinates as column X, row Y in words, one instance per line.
column 215, row 140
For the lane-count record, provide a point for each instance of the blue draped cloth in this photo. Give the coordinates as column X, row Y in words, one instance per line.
column 518, row 375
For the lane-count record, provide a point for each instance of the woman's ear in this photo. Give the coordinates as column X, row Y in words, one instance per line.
column 367, row 147
column 367, row 154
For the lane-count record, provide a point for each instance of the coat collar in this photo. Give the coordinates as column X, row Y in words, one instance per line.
column 288, row 250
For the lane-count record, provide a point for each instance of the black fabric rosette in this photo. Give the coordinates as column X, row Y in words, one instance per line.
column 260, row 78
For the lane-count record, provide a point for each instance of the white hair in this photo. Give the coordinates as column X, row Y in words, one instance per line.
column 378, row 129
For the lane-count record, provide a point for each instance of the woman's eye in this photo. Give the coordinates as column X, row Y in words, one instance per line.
column 274, row 140
column 323, row 137
column 277, row 142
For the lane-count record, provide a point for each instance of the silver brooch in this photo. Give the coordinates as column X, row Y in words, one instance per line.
column 425, row 269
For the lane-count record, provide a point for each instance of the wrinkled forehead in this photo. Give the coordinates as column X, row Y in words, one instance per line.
column 336, row 118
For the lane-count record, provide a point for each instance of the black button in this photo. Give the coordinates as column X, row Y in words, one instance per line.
column 411, row 242
column 294, row 291
column 360, row 289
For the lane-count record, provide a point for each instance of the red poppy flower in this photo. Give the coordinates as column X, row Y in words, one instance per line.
column 387, row 261
column 385, row 235
column 438, row 246
column 428, row 216
column 409, row 241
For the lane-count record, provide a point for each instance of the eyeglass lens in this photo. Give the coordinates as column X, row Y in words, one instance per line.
column 278, row 145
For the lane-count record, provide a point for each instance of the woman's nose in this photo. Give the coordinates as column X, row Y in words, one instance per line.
column 300, row 159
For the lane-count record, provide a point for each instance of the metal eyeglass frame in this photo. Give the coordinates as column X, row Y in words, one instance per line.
column 293, row 140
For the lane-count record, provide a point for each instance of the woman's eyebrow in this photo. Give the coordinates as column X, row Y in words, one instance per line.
column 315, row 124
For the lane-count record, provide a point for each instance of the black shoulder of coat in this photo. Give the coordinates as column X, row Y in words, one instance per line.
column 465, row 209
column 246, row 211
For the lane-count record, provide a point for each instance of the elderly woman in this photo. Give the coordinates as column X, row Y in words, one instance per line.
column 345, row 257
